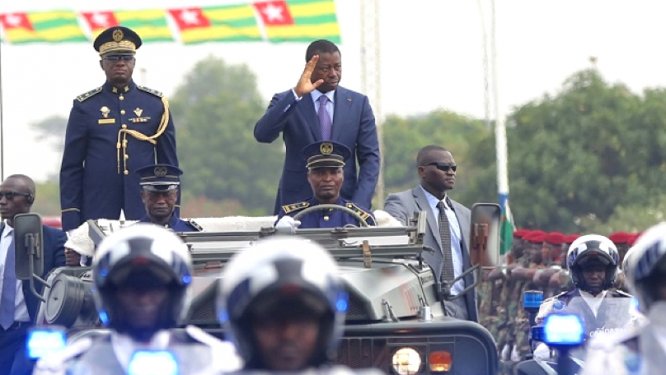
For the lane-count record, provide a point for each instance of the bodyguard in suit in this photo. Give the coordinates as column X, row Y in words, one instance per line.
column 448, row 229
column 18, row 306
column 159, row 192
column 318, row 109
column 113, row 130
column 325, row 161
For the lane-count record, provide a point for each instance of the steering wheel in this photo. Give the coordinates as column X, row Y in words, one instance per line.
column 322, row 207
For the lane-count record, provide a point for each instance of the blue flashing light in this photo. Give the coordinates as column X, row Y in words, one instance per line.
column 563, row 330
column 152, row 362
column 45, row 340
column 104, row 317
column 186, row 279
column 341, row 303
column 222, row 316
column 532, row 299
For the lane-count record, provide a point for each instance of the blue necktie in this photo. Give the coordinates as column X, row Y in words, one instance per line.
column 8, row 299
column 324, row 118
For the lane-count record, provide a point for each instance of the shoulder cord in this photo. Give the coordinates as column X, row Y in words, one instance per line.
column 122, row 133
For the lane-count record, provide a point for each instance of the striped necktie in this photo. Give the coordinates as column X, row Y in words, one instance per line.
column 445, row 235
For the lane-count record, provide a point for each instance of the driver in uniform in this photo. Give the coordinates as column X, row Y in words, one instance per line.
column 325, row 160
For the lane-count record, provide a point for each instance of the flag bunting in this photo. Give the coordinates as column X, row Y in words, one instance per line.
column 271, row 21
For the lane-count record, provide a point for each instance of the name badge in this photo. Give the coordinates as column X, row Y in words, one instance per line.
column 106, row 121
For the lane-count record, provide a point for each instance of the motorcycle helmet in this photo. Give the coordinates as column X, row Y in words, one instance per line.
column 646, row 266
column 590, row 249
column 141, row 256
column 281, row 274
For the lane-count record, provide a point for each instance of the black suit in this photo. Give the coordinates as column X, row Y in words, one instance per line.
column 12, row 340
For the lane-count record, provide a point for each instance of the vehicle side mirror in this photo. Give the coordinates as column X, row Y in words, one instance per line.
column 484, row 232
column 28, row 245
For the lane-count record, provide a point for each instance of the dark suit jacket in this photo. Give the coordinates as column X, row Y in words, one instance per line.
column 404, row 204
column 54, row 257
column 353, row 125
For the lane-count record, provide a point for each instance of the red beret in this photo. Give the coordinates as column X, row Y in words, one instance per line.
column 536, row 236
column 520, row 233
column 570, row 238
column 555, row 238
column 620, row 237
column 633, row 237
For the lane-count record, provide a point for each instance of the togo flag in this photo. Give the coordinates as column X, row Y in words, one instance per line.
column 506, row 228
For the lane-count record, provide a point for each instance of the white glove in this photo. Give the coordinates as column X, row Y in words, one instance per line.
column 287, row 224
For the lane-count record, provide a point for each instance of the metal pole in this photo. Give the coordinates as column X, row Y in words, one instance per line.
column 500, row 126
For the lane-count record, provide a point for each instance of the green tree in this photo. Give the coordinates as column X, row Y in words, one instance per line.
column 215, row 110
column 583, row 153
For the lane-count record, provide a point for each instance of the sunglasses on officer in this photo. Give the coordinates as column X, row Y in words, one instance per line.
column 444, row 166
column 115, row 58
column 10, row 195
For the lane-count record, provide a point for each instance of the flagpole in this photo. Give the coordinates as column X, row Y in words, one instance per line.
column 500, row 125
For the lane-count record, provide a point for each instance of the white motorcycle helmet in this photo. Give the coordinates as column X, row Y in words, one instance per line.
column 271, row 274
column 589, row 248
column 142, row 255
column 646, row 266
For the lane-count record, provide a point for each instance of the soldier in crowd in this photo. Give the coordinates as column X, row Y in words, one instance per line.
column 325, row 162
column 142, row 276
column 283, row 305
column 553, row 255
column 113, row 130
column 159, row 193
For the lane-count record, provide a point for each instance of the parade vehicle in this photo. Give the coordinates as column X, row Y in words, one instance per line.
column 396, row 319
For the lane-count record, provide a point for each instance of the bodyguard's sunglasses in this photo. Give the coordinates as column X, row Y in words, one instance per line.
column 444, row 166
column 115, row 58
column 11, row 194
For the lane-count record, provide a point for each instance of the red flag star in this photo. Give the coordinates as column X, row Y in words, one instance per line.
column 188, row 18
column 274, row 13
column 100, row 20
column 15, row 21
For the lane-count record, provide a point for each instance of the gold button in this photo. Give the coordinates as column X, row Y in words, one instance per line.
column 124, row 126
column 326, row 218
column 126, row 172
column 122, row 111
column 126, row 156
column 121, row 97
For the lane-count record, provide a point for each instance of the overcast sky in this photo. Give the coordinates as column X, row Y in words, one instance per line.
column 431, row 57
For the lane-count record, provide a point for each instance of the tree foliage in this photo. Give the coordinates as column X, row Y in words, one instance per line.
column 592, row 148
column 215, row 111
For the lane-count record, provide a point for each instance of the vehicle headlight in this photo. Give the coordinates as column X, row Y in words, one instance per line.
column 406, row 361
column 44, row 340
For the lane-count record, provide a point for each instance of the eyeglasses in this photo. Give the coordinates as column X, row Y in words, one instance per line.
column 444, row 166
column 11, row 194
column 115, row 58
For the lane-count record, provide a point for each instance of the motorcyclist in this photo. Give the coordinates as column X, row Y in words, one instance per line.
column 639, row 350
column 593, row 262
column 141, row 276
column 283, row 306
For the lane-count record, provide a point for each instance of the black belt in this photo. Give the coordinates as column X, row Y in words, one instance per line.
column 14, row 326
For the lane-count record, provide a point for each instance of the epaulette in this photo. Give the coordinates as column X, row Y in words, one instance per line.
column 196, row 225
column 361, row 212
column 150, row 91
column 89, row 94
column 287, row 208
column 621, row 293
